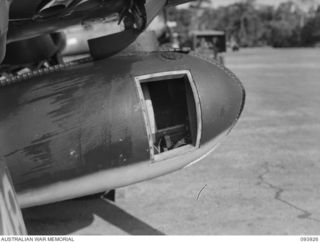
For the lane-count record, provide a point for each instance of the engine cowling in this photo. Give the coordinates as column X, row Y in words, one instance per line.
column 34, row 50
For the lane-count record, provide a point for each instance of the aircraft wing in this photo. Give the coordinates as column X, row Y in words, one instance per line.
column 29, row 19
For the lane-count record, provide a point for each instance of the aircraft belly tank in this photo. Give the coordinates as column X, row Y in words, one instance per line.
column 105, row 124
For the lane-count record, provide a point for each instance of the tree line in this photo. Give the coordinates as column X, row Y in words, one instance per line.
column 248, row 25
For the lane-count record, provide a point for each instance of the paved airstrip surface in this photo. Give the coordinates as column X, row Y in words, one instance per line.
column 264, row 179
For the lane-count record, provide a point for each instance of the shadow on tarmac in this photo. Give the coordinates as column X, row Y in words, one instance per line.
column 70, row 216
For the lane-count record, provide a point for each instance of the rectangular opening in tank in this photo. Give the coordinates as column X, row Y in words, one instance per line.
column 171, row 111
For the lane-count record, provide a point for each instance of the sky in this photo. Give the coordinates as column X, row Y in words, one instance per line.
column 217, row 3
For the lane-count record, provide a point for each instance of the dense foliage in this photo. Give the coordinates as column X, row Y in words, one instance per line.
column 249, row 25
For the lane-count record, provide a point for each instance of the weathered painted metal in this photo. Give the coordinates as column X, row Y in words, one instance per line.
column 86, row 119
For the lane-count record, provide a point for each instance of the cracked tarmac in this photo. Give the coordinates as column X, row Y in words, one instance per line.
column 264, row 179
column 278, row 195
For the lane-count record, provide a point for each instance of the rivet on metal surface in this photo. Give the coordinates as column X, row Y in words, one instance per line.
column 29, row 75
